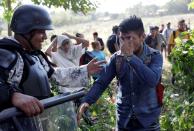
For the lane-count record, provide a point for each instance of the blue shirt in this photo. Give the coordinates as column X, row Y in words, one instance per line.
column 136, row 92
column 99, row 55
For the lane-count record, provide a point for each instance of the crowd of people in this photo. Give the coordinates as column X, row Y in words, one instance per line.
column 136, row 60
column 164, row 39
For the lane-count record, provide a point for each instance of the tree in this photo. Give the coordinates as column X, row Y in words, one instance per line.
column 76, row 5
column 7, row 11
column 177, row 6
column 191, row 4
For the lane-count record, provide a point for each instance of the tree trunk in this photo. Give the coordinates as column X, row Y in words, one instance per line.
column 9, row 30
column 9, row 9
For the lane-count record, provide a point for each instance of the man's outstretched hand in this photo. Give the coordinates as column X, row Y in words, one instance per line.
column 83, row 107
column 95, row 66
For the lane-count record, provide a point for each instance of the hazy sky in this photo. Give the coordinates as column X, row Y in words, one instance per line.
column 121, row 5
column 117, row 6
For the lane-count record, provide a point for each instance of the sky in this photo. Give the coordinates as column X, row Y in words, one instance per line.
column 119, row 6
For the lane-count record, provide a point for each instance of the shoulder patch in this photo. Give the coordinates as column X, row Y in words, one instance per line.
column 7, row 58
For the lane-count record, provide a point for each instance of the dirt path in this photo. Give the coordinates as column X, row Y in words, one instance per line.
column 166, row 74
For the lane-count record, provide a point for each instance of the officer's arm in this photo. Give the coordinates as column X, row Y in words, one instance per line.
column 9, row 92
column 8, row 59
column 74, row 76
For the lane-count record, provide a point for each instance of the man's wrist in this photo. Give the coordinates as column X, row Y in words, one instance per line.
column 13, row 90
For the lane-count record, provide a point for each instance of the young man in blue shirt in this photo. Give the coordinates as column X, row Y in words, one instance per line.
column 140, row 70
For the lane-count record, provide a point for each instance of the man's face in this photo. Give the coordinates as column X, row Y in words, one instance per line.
column 66, row 46
column 181, row 26
column 95, row 37
column 98, row 46
column 133, row 38
column 162, row 26
column 38, row 37
column 168, row 26
column 153, row 32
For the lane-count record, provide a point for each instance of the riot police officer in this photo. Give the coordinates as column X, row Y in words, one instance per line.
column 24, row 69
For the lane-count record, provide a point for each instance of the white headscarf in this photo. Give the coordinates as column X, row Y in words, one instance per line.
column 61, row 39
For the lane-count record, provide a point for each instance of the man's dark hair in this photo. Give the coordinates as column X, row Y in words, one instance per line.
column 156, row 28
column 152, row 28
column 95, row 33
column 181, row 21
column 53, row 37
column 78, row 34
column 115, row 29
column 133, row 23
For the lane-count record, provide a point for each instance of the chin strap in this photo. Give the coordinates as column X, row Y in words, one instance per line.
column 28, row 40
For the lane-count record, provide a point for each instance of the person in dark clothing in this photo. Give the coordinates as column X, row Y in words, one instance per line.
column 138, row 69
column 151, row 39
column 113, row 40
column 96, row 38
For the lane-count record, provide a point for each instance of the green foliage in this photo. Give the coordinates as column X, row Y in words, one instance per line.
column 7, row 9
column 182, row 58
column 54, row 87
column 76, row 5
column 103, row 111
column 191, row 4
column 178, row 112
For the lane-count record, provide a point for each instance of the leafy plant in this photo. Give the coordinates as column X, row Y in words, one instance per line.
column 178, row 111
column 102, row 112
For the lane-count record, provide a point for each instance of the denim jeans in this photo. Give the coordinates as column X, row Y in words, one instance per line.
column 135, row 125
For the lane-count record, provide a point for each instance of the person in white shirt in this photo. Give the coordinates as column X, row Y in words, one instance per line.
column 166, row 33
column 66, row 54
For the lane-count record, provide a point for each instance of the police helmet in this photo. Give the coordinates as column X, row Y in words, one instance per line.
column 30, row 17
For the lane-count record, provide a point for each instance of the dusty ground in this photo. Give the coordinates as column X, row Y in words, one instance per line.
column 166, row 74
